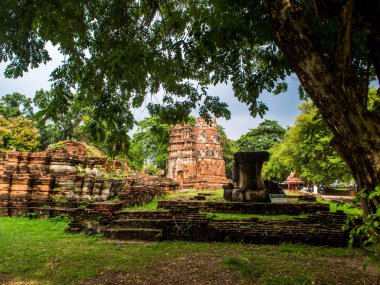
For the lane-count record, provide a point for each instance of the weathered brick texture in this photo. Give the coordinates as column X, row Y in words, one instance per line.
column 196, row 157
column 59, row 178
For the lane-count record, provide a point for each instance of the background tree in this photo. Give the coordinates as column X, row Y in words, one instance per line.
column 59, row 117
column 63, row 116
column 229, row 149
column 280, row 162
column 15, row 105
column 306, row 148
column 261, row 138
column 109, row 136
column 149, row 145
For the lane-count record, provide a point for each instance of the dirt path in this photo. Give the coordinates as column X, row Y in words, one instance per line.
column 198, row 269
column 185, row 270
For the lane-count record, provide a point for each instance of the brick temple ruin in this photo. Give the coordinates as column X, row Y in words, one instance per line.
column 68, row 175
column 196, row 156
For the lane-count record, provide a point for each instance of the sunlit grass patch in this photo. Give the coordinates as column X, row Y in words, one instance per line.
column 152, row 205
column 346, row 207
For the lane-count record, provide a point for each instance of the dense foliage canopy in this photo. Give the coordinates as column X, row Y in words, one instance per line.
column 117, row 52
column 73, row 119
column 261, row 138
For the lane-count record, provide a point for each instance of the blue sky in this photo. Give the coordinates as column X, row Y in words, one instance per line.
column 282, row 107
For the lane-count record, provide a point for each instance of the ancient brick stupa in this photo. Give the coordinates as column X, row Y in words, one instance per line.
column 195, row 156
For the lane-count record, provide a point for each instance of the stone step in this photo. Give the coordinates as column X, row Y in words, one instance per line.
column 133, row 234
column 198, row 198
column 74, row 230
column 151, row 216
column 139, row 223
column 144, row 214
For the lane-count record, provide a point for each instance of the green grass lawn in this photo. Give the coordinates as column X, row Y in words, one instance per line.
column 41, row 252
column 348, row 208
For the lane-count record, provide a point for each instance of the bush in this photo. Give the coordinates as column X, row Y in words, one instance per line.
column 18, row 134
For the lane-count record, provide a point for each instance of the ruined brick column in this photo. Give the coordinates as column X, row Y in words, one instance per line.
column 181, row 162
column 195, row 156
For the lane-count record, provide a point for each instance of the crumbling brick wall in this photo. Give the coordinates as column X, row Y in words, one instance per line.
column 62, row 176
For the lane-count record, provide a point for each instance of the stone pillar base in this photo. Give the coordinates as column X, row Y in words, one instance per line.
column 256, row 196
column 241, row 195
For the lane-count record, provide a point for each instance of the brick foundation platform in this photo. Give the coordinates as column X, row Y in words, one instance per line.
column 183, row 221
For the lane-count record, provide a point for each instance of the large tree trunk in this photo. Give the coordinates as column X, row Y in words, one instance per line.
column 334, row 88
